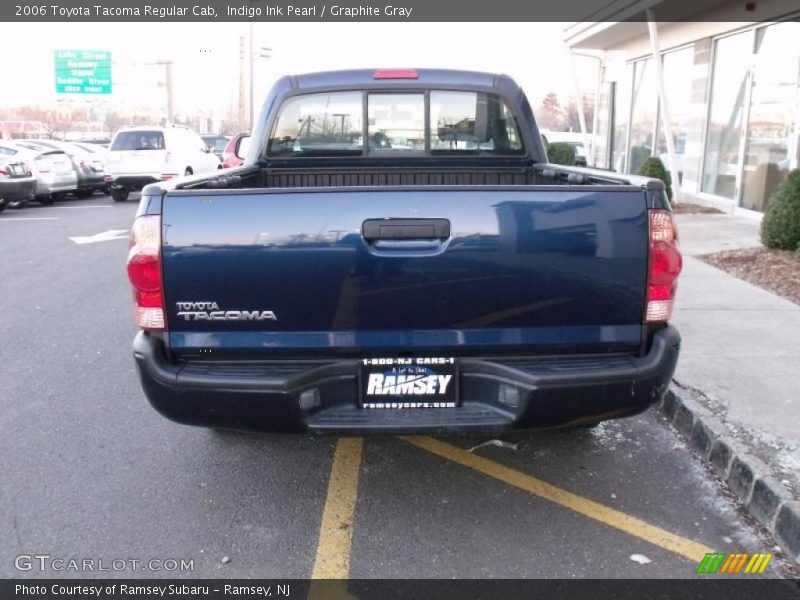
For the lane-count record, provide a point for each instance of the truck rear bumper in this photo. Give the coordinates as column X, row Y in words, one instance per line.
column 497, row 394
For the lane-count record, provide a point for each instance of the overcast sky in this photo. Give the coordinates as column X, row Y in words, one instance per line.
column 206, row 56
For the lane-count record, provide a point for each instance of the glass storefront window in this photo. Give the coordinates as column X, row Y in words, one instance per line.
column 769, row 152
column 728, row 91
column 643, row 116
column 622, row 109
column 678, row 66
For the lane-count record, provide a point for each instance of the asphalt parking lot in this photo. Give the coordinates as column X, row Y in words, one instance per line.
column 91, row 471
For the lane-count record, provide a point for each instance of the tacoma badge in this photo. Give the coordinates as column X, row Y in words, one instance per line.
column 210, row 311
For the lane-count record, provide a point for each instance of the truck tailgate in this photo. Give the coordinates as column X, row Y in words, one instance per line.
column 345, row 270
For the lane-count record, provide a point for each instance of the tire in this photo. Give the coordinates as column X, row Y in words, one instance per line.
column 3, row 204
column 19, row 203
column 46, row 200
column 120, row 194
column 83, row 194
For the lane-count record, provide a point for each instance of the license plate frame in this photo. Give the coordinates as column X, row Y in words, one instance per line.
column 424, row 382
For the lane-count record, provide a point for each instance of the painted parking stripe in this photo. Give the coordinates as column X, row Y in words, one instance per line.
column 336, row 531
column 589, row 508
column 5, row 219
column 79, row 207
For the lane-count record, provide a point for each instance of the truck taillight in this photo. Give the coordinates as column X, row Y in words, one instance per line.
column 144, row 272
column 664, row 266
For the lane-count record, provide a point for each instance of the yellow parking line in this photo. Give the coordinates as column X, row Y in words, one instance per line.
column 594, row 510
column 336, row 532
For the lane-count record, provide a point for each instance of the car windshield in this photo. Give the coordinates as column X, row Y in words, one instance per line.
column 30, row 146
column 88, row 148
column 138, row 140
column 217, row 142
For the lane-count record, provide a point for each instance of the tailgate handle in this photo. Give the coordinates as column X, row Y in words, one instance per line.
column 405, row 229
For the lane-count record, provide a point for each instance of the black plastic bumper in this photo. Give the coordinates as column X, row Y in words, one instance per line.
column 17, row 190
column 133, row 182
column 496, row 394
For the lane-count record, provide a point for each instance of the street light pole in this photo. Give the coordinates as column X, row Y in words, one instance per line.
column 252, row 93
column 263, row 52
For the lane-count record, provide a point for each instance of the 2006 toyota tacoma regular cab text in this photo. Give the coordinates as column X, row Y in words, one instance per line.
column 396, row 255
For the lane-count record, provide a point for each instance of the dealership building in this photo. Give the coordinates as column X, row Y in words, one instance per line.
column 721, row 108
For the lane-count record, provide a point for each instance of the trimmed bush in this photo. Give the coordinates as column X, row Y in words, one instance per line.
column 653, row 167
column 781, row 225
column 560, row 153
column 639, row 154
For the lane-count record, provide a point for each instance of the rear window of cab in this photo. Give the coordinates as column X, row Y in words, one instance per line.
column 452, row 123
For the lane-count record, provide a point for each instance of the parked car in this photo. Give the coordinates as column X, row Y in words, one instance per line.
column 89, row 166
column 237, row 146
column 331, row 287
column 142, row 155
column 17, row 183
column 102, row 142
column 55, row 176
column 216, row 142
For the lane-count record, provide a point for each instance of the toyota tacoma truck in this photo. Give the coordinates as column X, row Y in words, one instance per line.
column 396, row 255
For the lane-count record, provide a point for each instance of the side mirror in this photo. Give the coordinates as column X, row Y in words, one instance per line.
column 208, row 149
column 242, row 147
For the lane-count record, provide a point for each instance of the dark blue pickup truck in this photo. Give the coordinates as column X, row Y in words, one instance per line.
column 396, row 255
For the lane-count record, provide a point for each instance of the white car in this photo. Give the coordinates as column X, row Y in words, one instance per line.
column 142, row 155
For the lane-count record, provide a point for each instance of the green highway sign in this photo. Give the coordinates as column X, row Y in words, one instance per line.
column 83, row 72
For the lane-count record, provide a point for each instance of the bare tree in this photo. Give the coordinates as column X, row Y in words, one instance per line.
column 550, row 114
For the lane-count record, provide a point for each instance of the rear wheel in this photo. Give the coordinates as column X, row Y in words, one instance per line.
column 120, row 194
column 49, row 199
column 83, row 194
column 3, row 204
column 19, row 203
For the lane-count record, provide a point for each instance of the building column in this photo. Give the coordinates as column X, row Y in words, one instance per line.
column 664, row 108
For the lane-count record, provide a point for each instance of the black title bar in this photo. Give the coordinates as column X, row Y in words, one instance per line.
column 383, row 10
column 732, row 588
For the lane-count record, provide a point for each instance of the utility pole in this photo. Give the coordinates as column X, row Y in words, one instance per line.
column 252, row 93
column 167, row 64
column 263, row 52
column 241, row 83
column 168, row 83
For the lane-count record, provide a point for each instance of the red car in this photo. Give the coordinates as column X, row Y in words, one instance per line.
column 234, row 147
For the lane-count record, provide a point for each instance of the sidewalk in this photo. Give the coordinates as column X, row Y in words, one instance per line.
column 740, row 356
column 741, row 344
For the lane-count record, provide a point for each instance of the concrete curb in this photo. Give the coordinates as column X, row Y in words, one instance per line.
column 765, row 498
